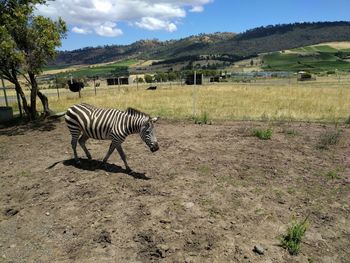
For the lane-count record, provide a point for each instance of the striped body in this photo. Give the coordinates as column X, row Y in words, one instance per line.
column 108, row 124
column 97, row 123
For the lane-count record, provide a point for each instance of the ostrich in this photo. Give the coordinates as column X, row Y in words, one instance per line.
column 75, row 86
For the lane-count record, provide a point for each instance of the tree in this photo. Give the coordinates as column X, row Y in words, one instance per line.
column 27, row 43
column 120, row 71
column 148, row 78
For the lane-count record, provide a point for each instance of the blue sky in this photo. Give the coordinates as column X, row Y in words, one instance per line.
column 102, row 22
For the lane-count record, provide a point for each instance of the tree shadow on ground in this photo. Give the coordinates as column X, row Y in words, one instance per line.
column 93, row 165
column 20, row 127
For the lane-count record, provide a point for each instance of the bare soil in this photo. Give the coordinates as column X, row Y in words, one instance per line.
column 210, row 194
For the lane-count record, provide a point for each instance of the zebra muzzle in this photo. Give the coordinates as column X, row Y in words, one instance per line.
column 154, row 147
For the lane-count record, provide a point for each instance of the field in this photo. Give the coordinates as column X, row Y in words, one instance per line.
column 326, row 100
column 316, row 58
column 88, row 71
column 210, row 194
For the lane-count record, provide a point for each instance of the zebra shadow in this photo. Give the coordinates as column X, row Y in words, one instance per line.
column 95, row 165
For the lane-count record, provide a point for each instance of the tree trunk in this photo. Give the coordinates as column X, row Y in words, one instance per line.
column 33, row 94
column 19, row 90
column 45, row 102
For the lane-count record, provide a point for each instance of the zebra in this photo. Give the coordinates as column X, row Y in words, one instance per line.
column 108, row 124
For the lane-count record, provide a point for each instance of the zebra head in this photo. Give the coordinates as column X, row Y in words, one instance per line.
column 148, row 135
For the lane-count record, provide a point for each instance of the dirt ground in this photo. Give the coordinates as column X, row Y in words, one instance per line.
column 210, row 194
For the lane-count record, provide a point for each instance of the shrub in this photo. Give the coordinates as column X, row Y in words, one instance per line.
column 262, row 134
column 292, row 240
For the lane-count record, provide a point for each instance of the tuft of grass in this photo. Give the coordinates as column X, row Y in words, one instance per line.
column 291, row 132
column 347, row 121
column 334, row 174
column 202, row 119
column 295, row 233
column 24, row 174
column 328, row 138
column 262, row 134
column 204, row 169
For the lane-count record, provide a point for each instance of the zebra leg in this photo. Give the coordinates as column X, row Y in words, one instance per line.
column 122, row 155
column 82, row 142
column 74, row 142
column 111, row 149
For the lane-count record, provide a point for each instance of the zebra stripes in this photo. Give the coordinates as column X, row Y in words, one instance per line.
column 108, row 124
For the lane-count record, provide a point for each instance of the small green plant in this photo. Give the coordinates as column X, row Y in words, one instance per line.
column 295, row 233
column 328, row 138
column 334, row 174
column 202, row 119
column 262, row 134
column 347, row 121
column 204, row 169
column 23, row 174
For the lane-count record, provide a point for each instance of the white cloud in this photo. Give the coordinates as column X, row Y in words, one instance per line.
column 79, row 30
column 197, row 9
column 108, row 30
column 102, row 16
column 151, row 23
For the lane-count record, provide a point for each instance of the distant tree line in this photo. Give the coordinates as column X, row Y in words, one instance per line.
column 264, row 31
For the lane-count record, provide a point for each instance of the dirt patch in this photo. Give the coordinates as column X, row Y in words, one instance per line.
column 212, row 193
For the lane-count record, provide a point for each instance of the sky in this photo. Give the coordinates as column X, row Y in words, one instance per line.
column 108, row 22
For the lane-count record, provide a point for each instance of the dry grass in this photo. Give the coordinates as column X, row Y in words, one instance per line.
column 305, row 102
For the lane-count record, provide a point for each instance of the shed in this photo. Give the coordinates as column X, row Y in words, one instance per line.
column 116, row 81
column 190, row 79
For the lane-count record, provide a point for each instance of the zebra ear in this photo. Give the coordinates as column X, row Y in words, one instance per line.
column 154, row 119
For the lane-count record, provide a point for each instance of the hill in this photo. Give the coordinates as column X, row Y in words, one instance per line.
column 233, row 46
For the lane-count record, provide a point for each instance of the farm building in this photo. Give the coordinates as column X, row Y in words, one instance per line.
column 118, row 81
column 190, row 79
column 214, row 79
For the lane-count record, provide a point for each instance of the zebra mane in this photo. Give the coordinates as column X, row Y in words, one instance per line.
column 135, row 112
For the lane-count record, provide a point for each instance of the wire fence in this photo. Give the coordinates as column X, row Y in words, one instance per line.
column 9, row 97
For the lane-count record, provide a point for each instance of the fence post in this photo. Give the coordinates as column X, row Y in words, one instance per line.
column 94, row 85
column 4, row 89
column 194, row 95
column 137, row 82
column 58, row 92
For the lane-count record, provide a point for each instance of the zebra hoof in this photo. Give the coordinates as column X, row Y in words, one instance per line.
column 89, row 157
column 77, row 162
column 128, row 170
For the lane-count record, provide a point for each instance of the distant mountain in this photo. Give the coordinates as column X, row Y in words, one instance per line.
column 236, row 46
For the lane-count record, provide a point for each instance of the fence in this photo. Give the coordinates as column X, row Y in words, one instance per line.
column 8, row 96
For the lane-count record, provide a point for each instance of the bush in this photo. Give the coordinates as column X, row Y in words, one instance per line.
column 292, row 240
column 262, row 134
